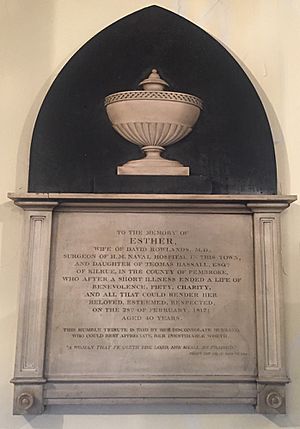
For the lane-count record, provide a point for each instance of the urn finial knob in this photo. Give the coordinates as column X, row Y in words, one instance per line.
column 153, row 82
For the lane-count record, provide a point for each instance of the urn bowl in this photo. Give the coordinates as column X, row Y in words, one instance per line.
column 152, row 118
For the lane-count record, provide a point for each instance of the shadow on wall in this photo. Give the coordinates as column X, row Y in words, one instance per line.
column 283, row 171
column 26, row 54
column 291, row 275
column 37, row 23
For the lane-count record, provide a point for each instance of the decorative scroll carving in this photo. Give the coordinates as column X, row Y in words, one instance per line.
column 274, row 400
column 25, row 401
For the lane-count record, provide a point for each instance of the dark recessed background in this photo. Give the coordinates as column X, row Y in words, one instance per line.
column 75, row 149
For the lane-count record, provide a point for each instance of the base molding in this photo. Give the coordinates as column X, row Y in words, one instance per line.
column 266, row 398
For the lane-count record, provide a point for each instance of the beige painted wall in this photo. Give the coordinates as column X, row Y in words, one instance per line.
column 37, row 38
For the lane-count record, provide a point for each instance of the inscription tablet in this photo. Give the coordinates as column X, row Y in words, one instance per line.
column 151, row 295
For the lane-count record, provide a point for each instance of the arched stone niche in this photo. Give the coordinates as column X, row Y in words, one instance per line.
column 75, row 149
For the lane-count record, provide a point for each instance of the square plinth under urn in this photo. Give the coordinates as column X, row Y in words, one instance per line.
column 124, row 170
column 153, row 165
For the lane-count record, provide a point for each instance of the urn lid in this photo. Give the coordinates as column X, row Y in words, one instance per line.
column 153, row 82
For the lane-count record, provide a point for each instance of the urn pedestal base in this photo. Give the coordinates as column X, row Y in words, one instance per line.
column 153, row 165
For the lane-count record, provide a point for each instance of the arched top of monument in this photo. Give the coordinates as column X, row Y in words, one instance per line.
column 75, row 149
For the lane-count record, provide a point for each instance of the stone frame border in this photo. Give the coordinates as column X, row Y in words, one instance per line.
column 266, row 391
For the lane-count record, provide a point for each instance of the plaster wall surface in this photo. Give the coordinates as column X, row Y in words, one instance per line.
column 37, row 38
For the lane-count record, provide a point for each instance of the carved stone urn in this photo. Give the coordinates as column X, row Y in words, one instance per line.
column 153, row 118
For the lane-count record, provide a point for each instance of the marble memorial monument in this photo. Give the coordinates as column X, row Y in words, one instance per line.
column 159, row 284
